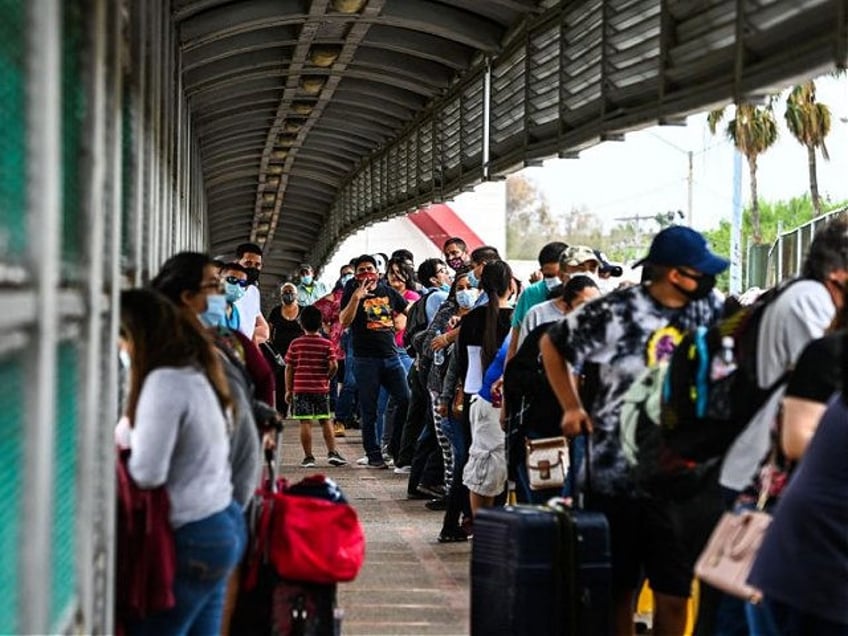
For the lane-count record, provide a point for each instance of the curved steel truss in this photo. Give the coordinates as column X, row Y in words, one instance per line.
column 317, row 117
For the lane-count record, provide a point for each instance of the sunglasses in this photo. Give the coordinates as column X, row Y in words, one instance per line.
column 232, row 280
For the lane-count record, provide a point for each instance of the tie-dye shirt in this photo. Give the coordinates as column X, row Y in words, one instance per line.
column 624, row 332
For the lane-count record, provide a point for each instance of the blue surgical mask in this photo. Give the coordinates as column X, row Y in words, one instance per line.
column 466, row 298
column 346, row 278
column 306, row 280
column 216, row 311
column 552, row 281
column 473, row 280
column 233, row 293
column 445, row 287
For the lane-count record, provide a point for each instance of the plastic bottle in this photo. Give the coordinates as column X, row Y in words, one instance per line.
column 724, row 360
column 439, row 356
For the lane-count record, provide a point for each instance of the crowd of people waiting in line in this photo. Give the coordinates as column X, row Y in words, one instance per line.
column 448, row 365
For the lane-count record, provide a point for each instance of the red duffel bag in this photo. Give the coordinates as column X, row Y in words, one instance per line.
column 310, row 533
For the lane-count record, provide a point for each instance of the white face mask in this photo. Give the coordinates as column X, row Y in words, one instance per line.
column 466, row 298
column 552, row 281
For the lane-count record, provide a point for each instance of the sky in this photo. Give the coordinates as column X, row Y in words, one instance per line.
column 647, row 172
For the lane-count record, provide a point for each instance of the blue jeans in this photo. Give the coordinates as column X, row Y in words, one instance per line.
column 207, row 552
column 371, row 374
column 346, row 402
column 786, row 620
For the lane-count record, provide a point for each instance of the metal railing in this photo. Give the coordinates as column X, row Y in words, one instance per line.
column 786, row 256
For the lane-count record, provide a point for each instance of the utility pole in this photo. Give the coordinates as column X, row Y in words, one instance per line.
column 690, row 183
column 736, row 227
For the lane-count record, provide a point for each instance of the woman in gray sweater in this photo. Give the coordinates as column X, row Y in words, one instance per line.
column 179, row 411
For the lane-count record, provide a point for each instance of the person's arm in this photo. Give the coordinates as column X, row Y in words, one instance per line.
column 799, row 421
column 513, row 343
column 333, row 368
column 261, row 332
column 348, row 312
column 575, row 419
column 289, row 383
column 154, row 433
column 258, row 369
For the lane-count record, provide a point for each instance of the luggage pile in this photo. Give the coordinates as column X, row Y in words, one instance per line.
column 305, row 538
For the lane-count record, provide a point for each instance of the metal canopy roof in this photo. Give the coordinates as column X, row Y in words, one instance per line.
column 317, row 117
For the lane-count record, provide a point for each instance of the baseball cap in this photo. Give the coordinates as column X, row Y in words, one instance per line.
column 606, row 267
column 679, row 245
column 577, row 255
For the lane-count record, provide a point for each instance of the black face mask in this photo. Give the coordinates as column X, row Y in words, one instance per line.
column 288, row 298
column 706, row 283
column 252, row 274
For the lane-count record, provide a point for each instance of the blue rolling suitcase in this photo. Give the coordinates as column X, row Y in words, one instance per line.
column 540, row 570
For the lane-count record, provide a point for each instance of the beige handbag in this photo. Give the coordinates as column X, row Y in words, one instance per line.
column 727, row 560
column 547, row 462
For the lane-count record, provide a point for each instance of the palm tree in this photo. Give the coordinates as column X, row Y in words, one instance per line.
column 753, row 131
column 809, row 122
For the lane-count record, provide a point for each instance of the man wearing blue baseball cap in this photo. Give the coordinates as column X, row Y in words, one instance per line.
column 621, row 334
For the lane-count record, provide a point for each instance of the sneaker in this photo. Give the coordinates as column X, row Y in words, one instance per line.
column 403, row 470
column 417, row 495
column 377, row 463
column 432, row 491
column 338, row 429
column 453, row 535
column 438, row 505
column 308, row 462
column 362, row 461
column 335, row 459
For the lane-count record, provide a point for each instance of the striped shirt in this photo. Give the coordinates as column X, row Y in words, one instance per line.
column 310, row 357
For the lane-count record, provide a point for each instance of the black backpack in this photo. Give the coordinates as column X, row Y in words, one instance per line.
column 416, row 325
column 672, row 448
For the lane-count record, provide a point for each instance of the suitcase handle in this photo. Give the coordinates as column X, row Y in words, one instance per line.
column 587, row 487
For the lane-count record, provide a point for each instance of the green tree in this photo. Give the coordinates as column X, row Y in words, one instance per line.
column 753, row 130
column 529, row 222
column 809, row 122
column 786, row 214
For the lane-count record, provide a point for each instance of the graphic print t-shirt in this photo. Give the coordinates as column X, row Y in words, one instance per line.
column 623, row 332
column 373, row 326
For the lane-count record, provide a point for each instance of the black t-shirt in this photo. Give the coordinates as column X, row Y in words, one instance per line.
column 818, row 374
column 373, row 329
column 471, row 333
column 283, row 330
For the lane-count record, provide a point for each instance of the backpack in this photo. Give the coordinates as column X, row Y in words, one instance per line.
column 677, row 422
column 416, row 325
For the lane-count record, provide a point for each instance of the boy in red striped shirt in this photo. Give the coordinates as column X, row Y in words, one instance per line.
column 310, row 363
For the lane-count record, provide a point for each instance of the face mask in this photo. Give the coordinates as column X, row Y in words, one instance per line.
column 288, row 298
column 306, row 280
column 346, row 278
column 444, row 287
column 466, row 298
column 706, row 282
column 473, row 280
column 372, row 276
column 233, row 293
column 592, row 276
column 552, row 282
column 454, row 263
column 216, row 310
column 252, row 274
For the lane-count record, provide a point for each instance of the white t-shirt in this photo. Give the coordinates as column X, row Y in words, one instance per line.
column 540, row 314
column 800, row 315
column 249, row 307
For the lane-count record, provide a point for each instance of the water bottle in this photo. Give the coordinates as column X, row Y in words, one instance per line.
column 724, row 361
column 439, row 356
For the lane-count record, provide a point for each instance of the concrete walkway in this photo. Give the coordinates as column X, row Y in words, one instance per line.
column 410, row 584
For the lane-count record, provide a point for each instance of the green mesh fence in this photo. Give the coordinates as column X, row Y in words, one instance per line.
column 12, row 129
column 11, row 450
column 127, row 172
column 63, row 531
column 73, row 119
